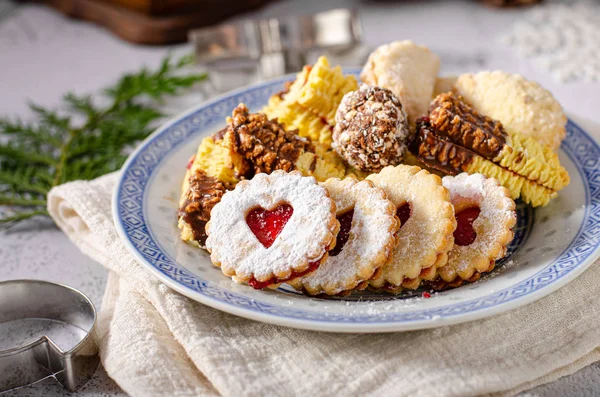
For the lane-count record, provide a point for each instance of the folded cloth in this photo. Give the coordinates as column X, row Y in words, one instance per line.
column 156, row 342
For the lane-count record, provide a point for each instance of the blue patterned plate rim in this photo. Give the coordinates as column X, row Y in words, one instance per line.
column 578, row 256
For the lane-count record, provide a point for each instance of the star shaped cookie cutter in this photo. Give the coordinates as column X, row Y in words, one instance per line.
column 42, row 358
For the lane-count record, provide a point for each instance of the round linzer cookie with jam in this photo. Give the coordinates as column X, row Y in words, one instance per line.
column 272, row 229
column 485, row 216
column 426, row 233
column 368, row 226
column 371, row 130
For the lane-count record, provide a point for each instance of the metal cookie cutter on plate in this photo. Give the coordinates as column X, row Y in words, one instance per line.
column 31, row 299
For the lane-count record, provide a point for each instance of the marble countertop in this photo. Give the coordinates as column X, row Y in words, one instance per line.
column 43, row 55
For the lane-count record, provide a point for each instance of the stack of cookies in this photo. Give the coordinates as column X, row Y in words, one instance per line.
column 407, row 179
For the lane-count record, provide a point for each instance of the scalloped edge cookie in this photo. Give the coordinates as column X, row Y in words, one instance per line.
column 306, row 238
column 371, row 238
column 426, row 237
column 493, row 228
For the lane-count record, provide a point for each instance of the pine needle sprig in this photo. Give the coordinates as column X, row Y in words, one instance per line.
column 83, row 140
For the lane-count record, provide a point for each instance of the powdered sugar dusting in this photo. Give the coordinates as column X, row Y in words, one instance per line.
column 408, row 70
column 370, row 242
column 465, row 186
column 563, row 38
column 305, row 238
column 493, row 225
column 428, row 231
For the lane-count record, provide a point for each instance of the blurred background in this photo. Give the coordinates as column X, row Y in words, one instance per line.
column 49, row 48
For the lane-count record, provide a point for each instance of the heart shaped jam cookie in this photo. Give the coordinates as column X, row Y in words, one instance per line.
column 266, row 225
column 368, row 225
column 272, row 229
column 485, row 216
column 425, row 236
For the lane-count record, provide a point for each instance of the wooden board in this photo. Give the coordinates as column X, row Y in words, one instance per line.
column 142, row 28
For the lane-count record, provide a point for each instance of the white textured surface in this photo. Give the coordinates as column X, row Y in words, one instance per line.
column 44, row 55
column 427, row 233
column 304, row 238
column 493, row 225
column 408, row 70
column 562, row 37
column 370, row 237
column 522, row 106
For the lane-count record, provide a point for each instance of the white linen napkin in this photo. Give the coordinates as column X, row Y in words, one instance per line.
column 156, row 342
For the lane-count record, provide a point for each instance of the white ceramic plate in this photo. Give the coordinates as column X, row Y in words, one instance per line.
column 553, row 245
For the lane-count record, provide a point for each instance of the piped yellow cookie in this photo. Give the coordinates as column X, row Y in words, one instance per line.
column 310, row 102
column 427, row 225
column 485, row 216
column 453, row 159
column 458, row 122
column 368, row 226
column 250, row 144
column 272, row 229
column 455, row 138
column 208, row 176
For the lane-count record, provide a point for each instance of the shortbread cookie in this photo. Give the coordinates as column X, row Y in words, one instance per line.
column 485, row 216
column 522, row 106
column 214, row 158
column 458, row 122
column 249, row 144
column 310, row 102
column 368, row 225
column 371, row 130
column 408, row 70
column 427, row 223
column 272, row 229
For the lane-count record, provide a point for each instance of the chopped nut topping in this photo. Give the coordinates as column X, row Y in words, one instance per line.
column 461, row 124
column 371, row 129
column 437, row 152
column 203, row 194
column 262, row 145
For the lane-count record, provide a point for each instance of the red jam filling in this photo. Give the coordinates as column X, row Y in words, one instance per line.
column 267, row 225
column 403, row 213
column 342, row 238
column 254, row 283
column 464, row 233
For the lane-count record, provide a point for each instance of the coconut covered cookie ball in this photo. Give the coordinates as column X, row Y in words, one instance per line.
column 371, row 130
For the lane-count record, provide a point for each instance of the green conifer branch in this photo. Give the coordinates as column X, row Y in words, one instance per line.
column 55, row 148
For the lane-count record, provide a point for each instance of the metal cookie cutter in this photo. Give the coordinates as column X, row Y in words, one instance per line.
column 238, row 53
column 31, row 299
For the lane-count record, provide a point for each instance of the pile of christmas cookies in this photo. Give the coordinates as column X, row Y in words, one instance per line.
column 406, row 179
